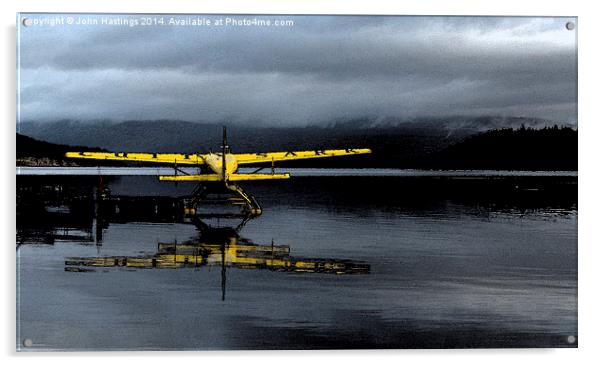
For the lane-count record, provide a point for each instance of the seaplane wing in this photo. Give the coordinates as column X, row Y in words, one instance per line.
column 253, row 158
column 161, row 158
column 199, row 159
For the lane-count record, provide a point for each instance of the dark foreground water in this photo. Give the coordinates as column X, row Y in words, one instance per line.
column 422, row 263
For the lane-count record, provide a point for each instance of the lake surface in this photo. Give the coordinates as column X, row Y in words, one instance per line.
column 423, row 262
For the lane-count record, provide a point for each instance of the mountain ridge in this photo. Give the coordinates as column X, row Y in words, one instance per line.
column 548, row 148
column 190, row 137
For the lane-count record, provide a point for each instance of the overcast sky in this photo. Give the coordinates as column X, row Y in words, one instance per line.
column 318, row 70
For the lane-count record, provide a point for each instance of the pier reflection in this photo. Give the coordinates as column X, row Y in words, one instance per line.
column 48, row 212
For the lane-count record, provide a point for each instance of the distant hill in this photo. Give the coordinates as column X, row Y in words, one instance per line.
column 32, row 152
column 189, row 137
column 510, row 149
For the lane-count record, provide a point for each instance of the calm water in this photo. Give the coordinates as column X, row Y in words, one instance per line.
column 442, row 263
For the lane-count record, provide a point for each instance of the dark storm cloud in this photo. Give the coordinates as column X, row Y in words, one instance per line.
column 320, row 69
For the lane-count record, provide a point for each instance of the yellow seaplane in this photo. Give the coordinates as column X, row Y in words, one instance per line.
column 220, row 167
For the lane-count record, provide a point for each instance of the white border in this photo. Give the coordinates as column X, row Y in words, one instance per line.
column 589, row 180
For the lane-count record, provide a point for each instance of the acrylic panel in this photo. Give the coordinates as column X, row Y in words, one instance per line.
column 235, row 182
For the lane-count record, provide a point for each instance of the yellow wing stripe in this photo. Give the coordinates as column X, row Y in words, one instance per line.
column 163, row 158
column 249, row 158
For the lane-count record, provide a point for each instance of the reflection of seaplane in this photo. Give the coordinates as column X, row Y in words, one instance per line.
column 221, row 247
column 219, row 168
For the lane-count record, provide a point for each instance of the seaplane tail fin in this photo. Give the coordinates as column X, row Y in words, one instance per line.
column 231, row 177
